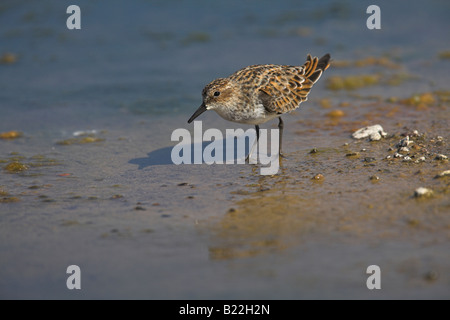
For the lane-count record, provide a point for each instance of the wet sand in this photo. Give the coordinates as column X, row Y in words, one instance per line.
column 112, row 202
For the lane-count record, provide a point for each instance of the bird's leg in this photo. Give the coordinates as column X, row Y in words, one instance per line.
column 280, row 128
column 255, row 143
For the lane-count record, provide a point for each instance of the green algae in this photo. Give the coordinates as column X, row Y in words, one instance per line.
column 15, row 167
column 81, row 140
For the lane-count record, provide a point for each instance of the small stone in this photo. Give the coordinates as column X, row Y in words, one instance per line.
column 431, row 276
column 423, row 192
column 388, row 157
column 443, row 174
column 190, row 197
column 403, row 149
column 421, row 159
column 441, row 157
column 374, row 133
column 155, row 204
column 404, row 142
column 391, row 149
column 314, row 150
column 440, row 138
column 407, row 158
column 182, row 184
column 231, row 210
column 336, row 113
column 374, row 178
column 375, row 137
column 398, row 155
column 369, row 159
column 318, row 177
column 352, row 154
column 415, row 133
column 139, row 208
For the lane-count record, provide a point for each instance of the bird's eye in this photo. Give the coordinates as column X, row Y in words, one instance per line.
column 216, row 94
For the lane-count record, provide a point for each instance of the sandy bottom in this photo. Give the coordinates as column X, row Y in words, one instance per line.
column 141, row 227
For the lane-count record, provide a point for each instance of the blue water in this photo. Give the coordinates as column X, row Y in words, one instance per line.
column 152, row 58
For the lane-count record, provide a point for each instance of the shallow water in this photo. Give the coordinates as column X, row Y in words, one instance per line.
column 140, row 227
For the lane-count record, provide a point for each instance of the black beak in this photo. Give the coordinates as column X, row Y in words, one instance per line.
column 199, row 111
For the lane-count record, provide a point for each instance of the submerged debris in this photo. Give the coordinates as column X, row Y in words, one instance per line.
column 352, row 82
column 374, row 133
column 80, row 140
column 8, row 58
column 421, row 101
column 368, row 61
column 444, row 54
column 15, row 167
column 9, row 199
column 10, row 135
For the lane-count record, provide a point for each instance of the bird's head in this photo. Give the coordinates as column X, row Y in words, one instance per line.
column 216, row 95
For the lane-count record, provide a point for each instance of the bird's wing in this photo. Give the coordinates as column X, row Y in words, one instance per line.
column 288, row 86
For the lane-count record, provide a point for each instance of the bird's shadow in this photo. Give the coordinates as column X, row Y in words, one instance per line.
column 164, row 155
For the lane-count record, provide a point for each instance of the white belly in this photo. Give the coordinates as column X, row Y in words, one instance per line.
column 257, row 115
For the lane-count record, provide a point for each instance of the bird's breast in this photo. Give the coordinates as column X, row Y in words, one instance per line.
column 245, row 113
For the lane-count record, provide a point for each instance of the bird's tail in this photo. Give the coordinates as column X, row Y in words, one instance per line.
column 314, row 67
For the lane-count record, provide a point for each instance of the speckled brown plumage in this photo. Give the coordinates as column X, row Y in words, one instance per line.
column 259, row 93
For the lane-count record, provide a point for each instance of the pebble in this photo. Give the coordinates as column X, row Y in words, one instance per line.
column 422, row 192
column 407, row 158
column 318, row 177
column 431, row 275
column 441, row 157
column 352, row 154
column 443, row 174
column 374, row 178
column 404, row 142
column 398, row 155
column 314, row 150
column 374, row 133
column 403, row 149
